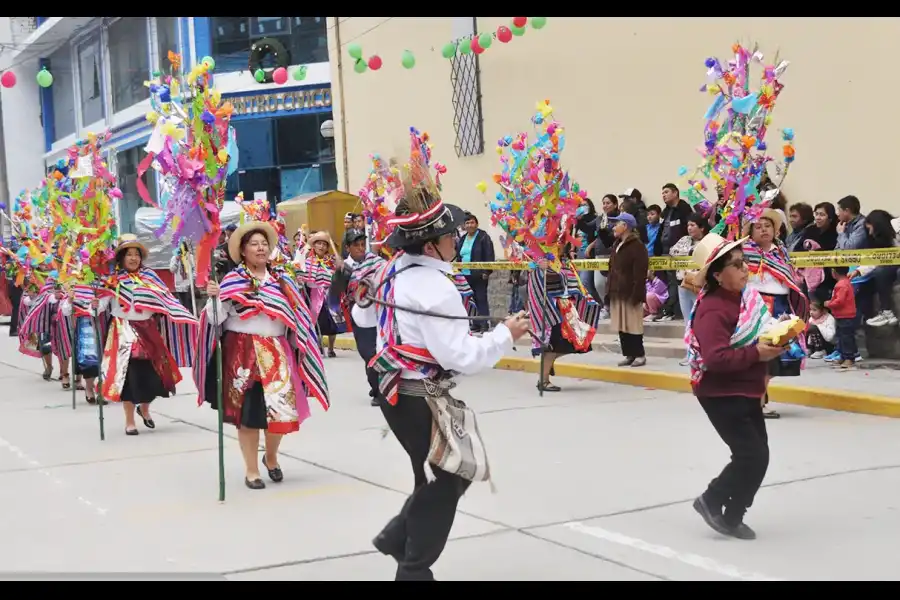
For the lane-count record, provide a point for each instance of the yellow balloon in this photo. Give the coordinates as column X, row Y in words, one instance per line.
column 152, row 117
column 481, row 186
column 714, row 89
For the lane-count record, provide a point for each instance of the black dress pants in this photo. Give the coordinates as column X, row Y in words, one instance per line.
column 739, row 422
column 417, row 535
column 632, row 344
column 366, row 345
column 479, row 287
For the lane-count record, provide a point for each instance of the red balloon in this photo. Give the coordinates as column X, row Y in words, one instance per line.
column 476, row 47
column 504, row 34
column 8, row 79
column 520, row 21
column 375, row 63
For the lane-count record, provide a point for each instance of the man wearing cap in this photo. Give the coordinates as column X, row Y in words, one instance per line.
column 418, row 356
column 359, row 265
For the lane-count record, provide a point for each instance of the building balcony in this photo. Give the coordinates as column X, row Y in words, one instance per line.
column 51, row 32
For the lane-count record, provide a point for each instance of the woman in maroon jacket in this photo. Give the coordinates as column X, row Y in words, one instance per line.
column 728, row 375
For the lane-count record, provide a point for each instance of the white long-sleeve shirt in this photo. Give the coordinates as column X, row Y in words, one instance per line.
column 448, row 340
column 261, row 325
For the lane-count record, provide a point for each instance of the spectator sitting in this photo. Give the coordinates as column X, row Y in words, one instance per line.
column 821, row 330
column 883, row 232
column 657, row 294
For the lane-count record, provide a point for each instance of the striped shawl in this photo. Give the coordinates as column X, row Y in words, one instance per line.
column 279, row 299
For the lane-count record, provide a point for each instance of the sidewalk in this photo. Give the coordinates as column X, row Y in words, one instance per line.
column 863, row 390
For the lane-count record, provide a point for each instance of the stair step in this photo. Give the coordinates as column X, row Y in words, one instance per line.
column 668, row 330
column 655, row 347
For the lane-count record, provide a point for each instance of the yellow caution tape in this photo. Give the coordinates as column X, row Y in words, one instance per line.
column 877, row 257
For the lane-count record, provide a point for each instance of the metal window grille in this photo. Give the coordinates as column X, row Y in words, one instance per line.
column 465, row 77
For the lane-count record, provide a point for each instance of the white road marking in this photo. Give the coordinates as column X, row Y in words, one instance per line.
column 694, row 560
column 20, row 454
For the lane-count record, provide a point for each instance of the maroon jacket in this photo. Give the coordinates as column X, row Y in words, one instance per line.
column 729, row 371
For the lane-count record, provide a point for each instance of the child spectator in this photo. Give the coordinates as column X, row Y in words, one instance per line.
column 653, row 227
column 657, row 294
column 821, row 331
column 843, row 306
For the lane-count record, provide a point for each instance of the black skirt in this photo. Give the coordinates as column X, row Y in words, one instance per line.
column 560, row 345
column 15, row 298
column 142, row 383
column 326, row 323
column 253, row 408
column 88, row 372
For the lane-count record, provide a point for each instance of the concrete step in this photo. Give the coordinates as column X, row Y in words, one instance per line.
column 668, row 330
column 653, row 346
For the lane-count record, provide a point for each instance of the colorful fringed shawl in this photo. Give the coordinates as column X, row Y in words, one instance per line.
column 395, row 356
column 753, row 317
column 279, row 299
column 367, row 268
column 545, row 314
column 465, row 291
column 46, row 317
column 145, row 291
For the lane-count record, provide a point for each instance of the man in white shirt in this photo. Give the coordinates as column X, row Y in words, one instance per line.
column 417, row 357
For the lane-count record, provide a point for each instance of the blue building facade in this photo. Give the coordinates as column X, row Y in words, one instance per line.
column 100, row 66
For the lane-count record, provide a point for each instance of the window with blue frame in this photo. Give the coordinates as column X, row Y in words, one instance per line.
column 167, row 40
column 129, row 61
column 305, row 39
column 62, row 92
column 283, row 157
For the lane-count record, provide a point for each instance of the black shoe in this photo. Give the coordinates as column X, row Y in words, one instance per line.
column 148, row 423
column 275, row 474
column 375, row 402
column 131, row 432
column 714, row 520
column 256, row 484
column 740, row 531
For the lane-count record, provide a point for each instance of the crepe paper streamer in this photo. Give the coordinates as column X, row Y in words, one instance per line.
column 734, row 149
column 537, row 200
column 193, row 148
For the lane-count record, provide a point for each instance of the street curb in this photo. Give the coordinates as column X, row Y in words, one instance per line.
column 840, row 400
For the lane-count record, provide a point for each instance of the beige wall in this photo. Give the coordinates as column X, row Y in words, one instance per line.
column 626, row 90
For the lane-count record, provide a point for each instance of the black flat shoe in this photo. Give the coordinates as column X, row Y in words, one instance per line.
column 131, row 432
column 92, row 400
column 549, row 387
column 274, row 474
column 148, row 423
column 256, row 484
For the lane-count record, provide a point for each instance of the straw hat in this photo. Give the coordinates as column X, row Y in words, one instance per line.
column 771, row 214
column 129, row 240
column 708, row 250
column 234, row 242
column 319, row 236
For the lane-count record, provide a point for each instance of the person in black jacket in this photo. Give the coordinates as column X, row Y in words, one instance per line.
column 674, row 227
column 632, row 202
column 476, row 246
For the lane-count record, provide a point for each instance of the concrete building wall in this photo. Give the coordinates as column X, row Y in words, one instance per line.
column 626, row 90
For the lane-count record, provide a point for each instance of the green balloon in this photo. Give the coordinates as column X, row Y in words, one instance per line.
column 517, row 31
column 300, row 73
column 355, row 50
column 408, row 61
column 538, row 22
column 360, row 66
column 465, row 46
column 157, row 73
column 44, row 78
column 259, row 75
column 449, row 50
column 210, row 62
column 485, row 40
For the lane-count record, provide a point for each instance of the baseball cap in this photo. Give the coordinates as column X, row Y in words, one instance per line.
column 354, row 235
column 625, row 218
column 628, row 193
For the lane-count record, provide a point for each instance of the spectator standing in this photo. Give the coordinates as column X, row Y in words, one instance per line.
column 476, row 246
column 674, row 227
column 843, row 306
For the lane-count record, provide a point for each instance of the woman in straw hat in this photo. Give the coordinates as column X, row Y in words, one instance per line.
column 270, row 359
column 774, row 277
column 149, row 336
column 728, row 376
column 317, row 273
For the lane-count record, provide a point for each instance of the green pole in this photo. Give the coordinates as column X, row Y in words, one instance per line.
column 98, row 388
column 220, row 401
column 73, row 358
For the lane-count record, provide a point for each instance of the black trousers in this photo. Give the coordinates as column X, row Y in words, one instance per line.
column 15, row 298
column 417, row 535
column 632, row 344
column 739, row 422
column 366, row 345
column 671, row 305
column 479, row 287
column 846, row 338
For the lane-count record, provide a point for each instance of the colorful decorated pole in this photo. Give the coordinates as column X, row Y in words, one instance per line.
column 194, row 149
column 734, row 147
column 535, row 208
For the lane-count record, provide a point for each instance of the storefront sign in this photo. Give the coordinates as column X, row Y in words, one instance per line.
column 280, row 101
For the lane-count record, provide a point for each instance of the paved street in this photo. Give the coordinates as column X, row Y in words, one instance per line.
column 594, row 483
